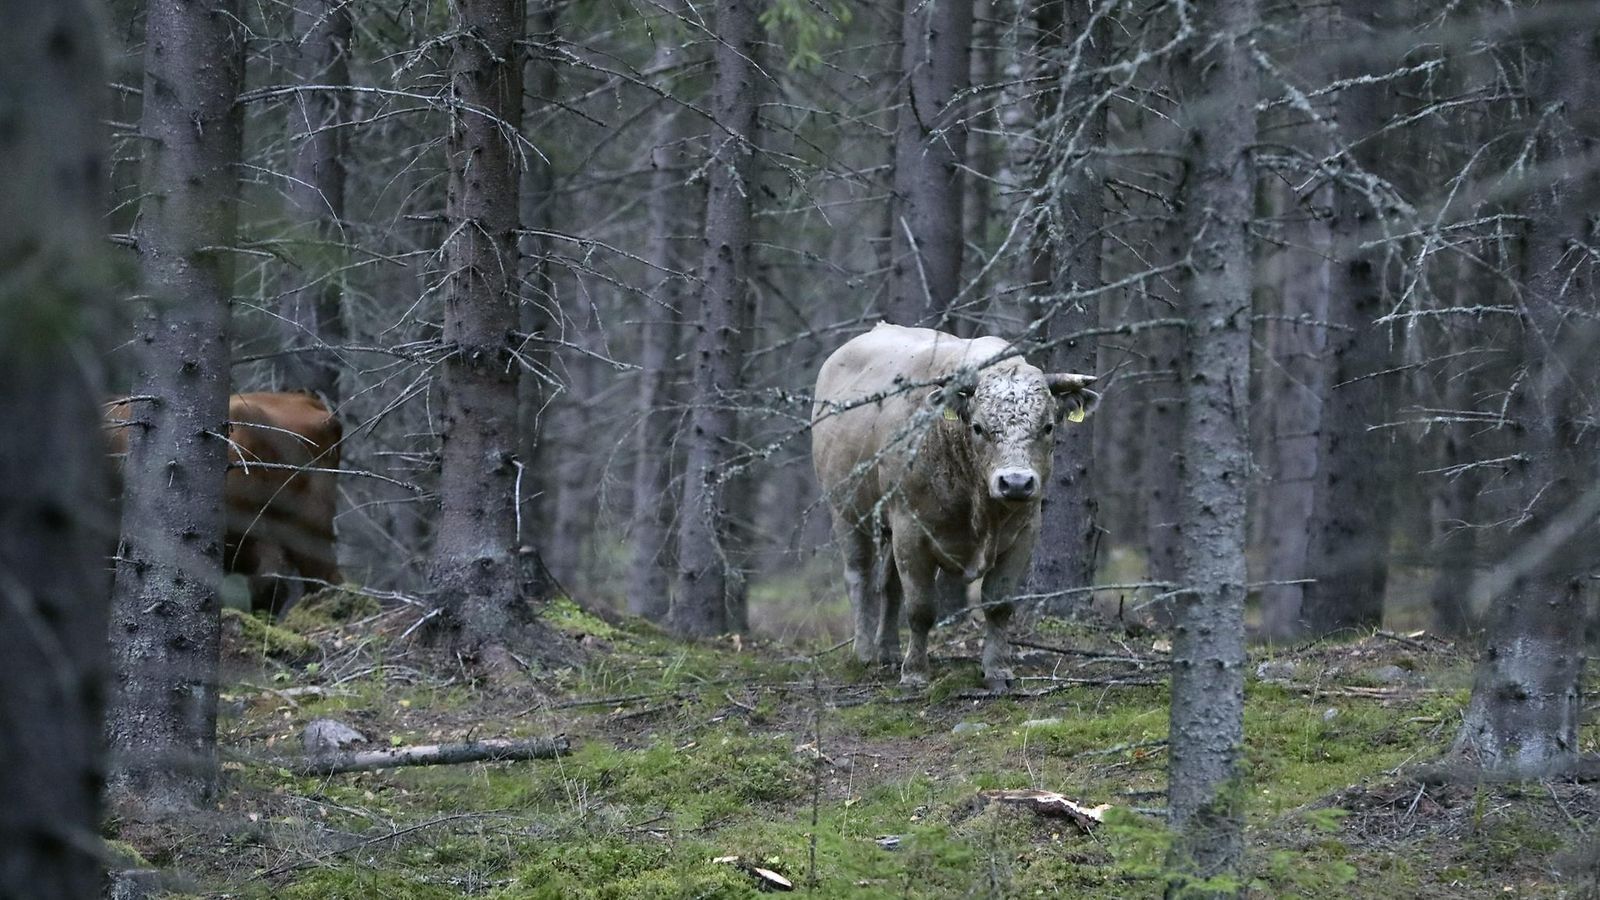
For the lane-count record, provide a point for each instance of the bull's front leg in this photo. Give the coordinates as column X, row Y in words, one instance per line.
column 999, row 586
column 914, row 561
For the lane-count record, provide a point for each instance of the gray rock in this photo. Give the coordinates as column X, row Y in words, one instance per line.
column 969, row 727
column 1042, row 723
column 1331, row 713
column 1275, row 670
column 329, row 736
column 1389, row 675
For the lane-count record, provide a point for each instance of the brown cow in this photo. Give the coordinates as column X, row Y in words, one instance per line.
column 933, row 451
column 280, row 521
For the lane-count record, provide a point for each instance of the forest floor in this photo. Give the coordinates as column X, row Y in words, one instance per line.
column 695, row 766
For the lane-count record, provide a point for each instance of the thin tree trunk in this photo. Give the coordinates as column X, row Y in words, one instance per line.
column 1294, row 380
column 537, row 302
column 316, row 194
column 649, row 565
column 1348, row 554
column 55, row 519
column 1522, row 721
column 930, row 145
column 486, row 572
column 1207, row 715
column 165, row 629
column 700, row 606
column 1162, row 433
column 1069, row 261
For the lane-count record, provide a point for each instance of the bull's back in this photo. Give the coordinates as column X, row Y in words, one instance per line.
column 867, row 392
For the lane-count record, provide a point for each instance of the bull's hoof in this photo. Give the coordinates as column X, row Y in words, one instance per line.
column 999, row 682
column 889, row 656
column 913, row 680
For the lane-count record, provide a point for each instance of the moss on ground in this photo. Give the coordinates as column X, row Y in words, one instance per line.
column 686, row 755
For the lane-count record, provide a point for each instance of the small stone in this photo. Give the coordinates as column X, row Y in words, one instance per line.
column 1331, row 713
column 969, row 727
column 1275, row 670
column 329, row 736
column 1042, row 723
column 1389, row 675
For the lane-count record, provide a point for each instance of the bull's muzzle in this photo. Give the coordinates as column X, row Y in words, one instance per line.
column 1014, row 484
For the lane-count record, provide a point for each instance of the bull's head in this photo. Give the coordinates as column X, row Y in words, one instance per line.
column 1010, row 418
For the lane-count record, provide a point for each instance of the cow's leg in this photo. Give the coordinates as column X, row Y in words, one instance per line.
column 914, row 562
column 268, row 592
column 998, row 588
column 856, row 544
column 889, row 622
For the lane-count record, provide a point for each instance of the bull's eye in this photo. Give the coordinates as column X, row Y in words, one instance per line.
column 977, row 429
column 1049, row 427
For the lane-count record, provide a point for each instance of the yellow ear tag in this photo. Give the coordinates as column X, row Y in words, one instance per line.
column 1077, row 414
column 950, row 415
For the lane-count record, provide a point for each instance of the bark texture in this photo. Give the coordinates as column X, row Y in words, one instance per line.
column 926, row 239
column 315, row 195
column 165, row 629
column 1523, row 718
column 700, row 604
column 1207, row 714
column 55, row 520
column 1068, row 263
column 1353, row 506
column 486, row 572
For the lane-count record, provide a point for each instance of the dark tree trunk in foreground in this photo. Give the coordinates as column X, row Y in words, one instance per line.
column 165, row 629
column 1526, row 703
column 55, row 519
column 1207, row 718
column 1069, row 264
column 486, row 573
column 700, row 605
column 1348, row 555
column 926, row 239
column 315, row 192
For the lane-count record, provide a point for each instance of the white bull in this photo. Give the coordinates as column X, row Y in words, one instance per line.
column 932, row 451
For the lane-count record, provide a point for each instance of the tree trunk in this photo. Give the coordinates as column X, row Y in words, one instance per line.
column 1348, row 554
column 1207, row 716
column 315, row 192
column 649, row 563
column 486, row 572
column 1068, row 260
column 165, row 629
column 1162, row 433
column 700, row 606
column 538, row 302
column 926, row 239
column 1522, row 721
column 1294, row 375
column 55, row 521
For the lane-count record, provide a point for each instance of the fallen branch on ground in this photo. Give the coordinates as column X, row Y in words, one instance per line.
column 487, row 750
column 1050, row 803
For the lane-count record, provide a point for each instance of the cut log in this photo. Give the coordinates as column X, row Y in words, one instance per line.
column 489, row 750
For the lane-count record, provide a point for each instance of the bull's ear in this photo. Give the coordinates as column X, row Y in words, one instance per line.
column 953, row 400
column 1074, row 400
